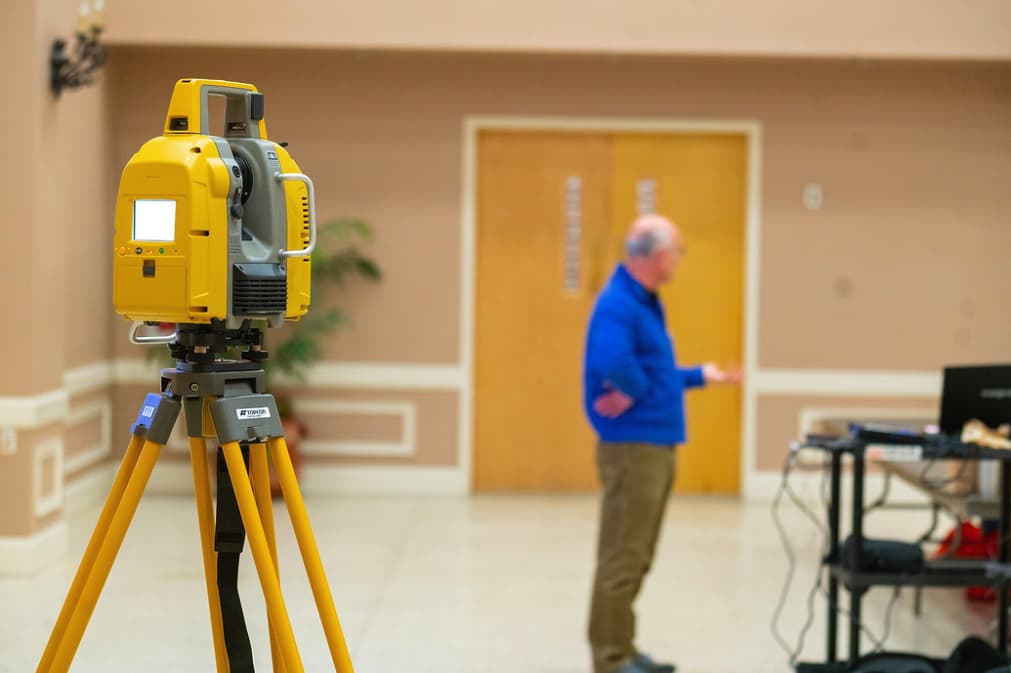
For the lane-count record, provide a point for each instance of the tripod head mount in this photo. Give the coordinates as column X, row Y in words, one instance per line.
column 203, row 345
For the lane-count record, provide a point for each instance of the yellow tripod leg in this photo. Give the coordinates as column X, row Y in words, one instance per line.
column 265, row 568
column 310, row 556
column 260, row 472
column 205, row 519
column 126, row 467
column 81, row 612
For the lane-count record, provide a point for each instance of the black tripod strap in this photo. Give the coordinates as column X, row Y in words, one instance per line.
column 229, row 538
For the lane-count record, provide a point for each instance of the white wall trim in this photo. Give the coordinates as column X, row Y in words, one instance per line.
column 136, row 371
column 35, row 411
column 29, row 554
column 327, row 447
column 607, row 124
column 752, row 294
column 86, row 378
column 342, row 480
column 468, row 281
column 378, row 375
column 401, row 376
column 90, row 488
column 764, row 486
column 47, row 449
column 171, row 478
column 752, row 132
column 846, row 382
column 102, row 410
column 339, row 480
column 358, row 448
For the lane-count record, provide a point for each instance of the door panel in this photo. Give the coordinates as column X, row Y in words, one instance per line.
column 699, row 182
column 530, row 433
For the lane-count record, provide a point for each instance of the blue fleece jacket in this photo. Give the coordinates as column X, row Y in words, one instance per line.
column 628, row 348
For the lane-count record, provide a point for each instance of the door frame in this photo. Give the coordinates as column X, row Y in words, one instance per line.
column 751, row 130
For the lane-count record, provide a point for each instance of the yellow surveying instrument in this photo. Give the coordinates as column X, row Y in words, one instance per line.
column 213, row 228
column 212, row 234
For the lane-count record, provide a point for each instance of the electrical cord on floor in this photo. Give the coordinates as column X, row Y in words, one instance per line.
column 886, row 629
column 786, row 490
column 791, row 560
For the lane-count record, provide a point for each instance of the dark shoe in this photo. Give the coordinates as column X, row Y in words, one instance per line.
column 630, row 667
column 646, row 663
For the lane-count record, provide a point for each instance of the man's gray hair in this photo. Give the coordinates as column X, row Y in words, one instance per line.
column 648, row 241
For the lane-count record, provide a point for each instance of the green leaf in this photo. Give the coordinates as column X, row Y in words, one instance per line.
column 366, row 268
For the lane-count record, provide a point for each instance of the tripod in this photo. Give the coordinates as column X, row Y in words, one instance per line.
column 226, row 400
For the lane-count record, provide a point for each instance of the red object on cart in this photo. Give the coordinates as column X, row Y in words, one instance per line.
column 975, row 544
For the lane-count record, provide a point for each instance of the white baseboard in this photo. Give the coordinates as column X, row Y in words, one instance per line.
column 373, row 480
column 90, row 489
column 34, row 411
column 85, row 379
column 837, row 382
column 167, row 479
column 27, row 555
column 762, row 487
column 177, row 479
column 171, row 479
column 401, row 376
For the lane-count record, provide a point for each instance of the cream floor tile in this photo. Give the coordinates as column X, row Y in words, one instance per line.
column 468, row 585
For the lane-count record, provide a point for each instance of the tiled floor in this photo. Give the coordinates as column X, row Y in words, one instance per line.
column 488, row 584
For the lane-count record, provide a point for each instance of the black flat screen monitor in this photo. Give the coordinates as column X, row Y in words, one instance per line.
column 980, row 392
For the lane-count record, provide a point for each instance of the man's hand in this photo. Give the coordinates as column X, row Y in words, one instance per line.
column 612, row 404
column 712, row 373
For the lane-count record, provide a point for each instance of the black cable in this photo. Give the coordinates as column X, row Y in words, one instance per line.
column 791, row 560
column 817, row 588
column 940, row 484
column 809, row 621
column 888, row 618
column 877, row 642
column 794, row 652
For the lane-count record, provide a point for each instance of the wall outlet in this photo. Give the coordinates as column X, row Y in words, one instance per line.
column 8, row 441
column 814, row 198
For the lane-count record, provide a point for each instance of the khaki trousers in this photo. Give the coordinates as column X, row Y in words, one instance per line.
column 636, row 480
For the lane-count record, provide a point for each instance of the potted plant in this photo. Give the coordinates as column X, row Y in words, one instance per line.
column 294, row 348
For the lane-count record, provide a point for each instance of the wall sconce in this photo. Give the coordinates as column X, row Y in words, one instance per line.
column 71, row 70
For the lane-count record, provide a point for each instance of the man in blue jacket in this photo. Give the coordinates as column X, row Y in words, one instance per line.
column 634, row 397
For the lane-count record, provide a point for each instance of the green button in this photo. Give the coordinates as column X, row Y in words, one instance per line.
column 161, row 251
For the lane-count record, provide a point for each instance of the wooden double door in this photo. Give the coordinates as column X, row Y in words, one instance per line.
column 552, row 212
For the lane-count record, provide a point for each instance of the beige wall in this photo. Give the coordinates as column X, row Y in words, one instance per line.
column 18, row 189
column 910, row 241
column 56, row 228
column 972, row 29
column 55, row 234
column 900, row 270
